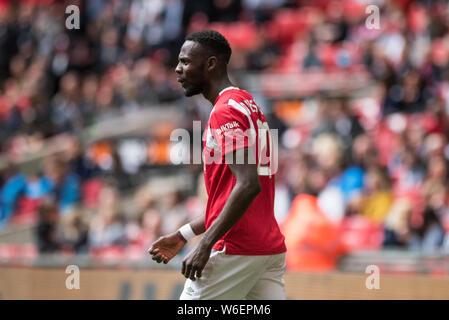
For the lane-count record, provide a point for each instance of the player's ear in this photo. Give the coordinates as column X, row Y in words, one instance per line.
column 211, row 63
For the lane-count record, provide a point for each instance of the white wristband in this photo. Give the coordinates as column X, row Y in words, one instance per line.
column 187, row 232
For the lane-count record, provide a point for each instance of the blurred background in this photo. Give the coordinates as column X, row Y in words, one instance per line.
column 363, row 114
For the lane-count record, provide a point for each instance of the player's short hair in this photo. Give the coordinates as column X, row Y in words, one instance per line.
column 213, row 41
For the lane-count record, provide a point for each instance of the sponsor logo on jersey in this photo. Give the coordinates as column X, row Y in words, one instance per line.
column 226, row 127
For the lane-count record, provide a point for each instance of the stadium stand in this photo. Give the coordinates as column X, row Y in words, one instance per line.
column 362, row 118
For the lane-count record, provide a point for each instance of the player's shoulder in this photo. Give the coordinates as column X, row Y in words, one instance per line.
column 232, row 101
column 239, row 95
column 235, row 94
column 231, row 107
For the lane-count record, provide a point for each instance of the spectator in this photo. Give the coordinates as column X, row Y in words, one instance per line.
column 429, row 236
column 73, row 231
column 106, row 227
column 46, row 231
column 61, row 184
column 173, row 212
column 397, row 231
column 376, row 198
column 13, row 187
column 66, row 112
column 58, row 82
column 78, row 162
column 149, row 228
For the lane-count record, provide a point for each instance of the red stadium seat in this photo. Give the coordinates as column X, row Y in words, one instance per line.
column 241, row 35
column 110, row 253
column 287, row 25
column 359, row 233
column 29, row 251
column 9, row 251
column 385, row 140
column 90, row 192
column 134, row 253
column 27, row 211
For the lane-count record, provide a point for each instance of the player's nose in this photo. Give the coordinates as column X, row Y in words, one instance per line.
column 178, row 69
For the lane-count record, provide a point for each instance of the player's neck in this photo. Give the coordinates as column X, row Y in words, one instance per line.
column 216, row 87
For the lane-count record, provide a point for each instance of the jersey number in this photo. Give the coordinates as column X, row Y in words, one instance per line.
column 265, row 145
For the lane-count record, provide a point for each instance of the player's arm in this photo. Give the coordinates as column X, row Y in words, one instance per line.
column 198, row 225
column 246, row 188
column 166, row 247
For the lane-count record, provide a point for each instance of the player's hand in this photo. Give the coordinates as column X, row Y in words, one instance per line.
column 194, row 263
column 166, row 247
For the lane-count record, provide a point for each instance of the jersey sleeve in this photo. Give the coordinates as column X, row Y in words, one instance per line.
column 231, row 127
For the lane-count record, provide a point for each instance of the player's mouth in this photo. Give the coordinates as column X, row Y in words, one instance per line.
column 181, row 81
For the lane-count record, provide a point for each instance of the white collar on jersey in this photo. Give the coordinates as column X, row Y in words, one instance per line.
column 219, row 94
column 226, row 89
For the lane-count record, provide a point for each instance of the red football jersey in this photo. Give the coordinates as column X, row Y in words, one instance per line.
column 236, row 122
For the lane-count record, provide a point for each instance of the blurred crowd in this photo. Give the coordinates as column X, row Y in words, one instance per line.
column 351, row 166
